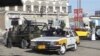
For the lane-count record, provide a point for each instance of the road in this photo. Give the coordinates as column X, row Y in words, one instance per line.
column 86, row 48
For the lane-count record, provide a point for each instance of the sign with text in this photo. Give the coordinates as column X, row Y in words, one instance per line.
column 78, row 14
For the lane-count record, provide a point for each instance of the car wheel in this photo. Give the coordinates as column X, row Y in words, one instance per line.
column 62, row 50
column 24, row 43
column 75, row 47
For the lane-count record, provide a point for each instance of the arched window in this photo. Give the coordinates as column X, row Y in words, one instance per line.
column 64, row 7
column 36, row 7
column 20, row 8
column 57, row 6
column 43, row 7
column 12, row 8
column 50, row 7
column 28, row 6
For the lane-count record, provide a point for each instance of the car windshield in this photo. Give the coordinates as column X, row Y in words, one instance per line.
column 54, row 32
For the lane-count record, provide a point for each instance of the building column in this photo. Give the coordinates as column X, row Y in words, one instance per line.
column 60, row 8
column 39, row 8
column 16, row 8
column 47, row 9
column 67, row 4
column 24, row 7
column 32, row 8
column 6, row 8
column 54, row 8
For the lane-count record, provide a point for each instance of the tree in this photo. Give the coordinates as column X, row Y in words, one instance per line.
column 62, row 24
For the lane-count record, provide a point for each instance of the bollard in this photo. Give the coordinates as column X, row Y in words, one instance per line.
column 93, row 37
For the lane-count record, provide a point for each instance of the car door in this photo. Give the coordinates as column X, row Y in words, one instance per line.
column 68, row 38
column 72, row 38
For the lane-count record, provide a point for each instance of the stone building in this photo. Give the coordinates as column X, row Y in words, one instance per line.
column 36, row 10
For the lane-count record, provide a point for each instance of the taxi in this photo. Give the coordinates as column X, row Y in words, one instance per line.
column 58, row 42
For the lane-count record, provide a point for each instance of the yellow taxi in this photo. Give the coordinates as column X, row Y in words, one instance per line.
column 59, row 42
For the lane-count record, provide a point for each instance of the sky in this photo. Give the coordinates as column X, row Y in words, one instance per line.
column 89, row 6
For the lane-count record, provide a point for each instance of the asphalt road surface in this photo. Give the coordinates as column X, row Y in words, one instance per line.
column 86, row 48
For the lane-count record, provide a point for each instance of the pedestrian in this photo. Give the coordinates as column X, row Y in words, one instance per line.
column 9, row 39
column 5, row 36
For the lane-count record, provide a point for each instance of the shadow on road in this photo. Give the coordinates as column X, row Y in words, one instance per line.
column 90, row 47
column 42, row 52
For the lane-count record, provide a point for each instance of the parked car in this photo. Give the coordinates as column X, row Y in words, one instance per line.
column 57, row 42
column 97, row 32
column 20, row 35
column 85, row 33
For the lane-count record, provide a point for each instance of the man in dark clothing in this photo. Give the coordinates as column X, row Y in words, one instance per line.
column 9, row 43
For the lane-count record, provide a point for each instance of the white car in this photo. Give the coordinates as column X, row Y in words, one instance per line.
column 56, row 42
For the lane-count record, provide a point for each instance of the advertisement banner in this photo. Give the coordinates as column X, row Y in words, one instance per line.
column 78, row 14
column 78, row 17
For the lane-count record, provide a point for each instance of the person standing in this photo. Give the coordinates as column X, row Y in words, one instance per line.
column 9, row 38
column 5, row 36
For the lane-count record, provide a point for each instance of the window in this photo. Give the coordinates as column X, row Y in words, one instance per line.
column 28, row 8
column 20, row 8
column 2, row 8
column 50, row 9
column 36, row 9
column 43, row 9
column 50, row 21
column 14, row 21
column 12, row 8
column 57, row 8
column 64, row 9
column 71, row 34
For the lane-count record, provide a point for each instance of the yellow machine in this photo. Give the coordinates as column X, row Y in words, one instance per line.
column 83, row 33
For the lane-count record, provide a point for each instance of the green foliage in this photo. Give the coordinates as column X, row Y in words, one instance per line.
column 62, row 25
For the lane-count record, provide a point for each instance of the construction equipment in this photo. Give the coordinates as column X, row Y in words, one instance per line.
column 22, row 34
column 97, row 32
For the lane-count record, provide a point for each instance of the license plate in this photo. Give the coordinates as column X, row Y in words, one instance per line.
column 41, row 46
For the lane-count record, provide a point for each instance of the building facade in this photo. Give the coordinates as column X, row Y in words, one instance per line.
column 37, row 10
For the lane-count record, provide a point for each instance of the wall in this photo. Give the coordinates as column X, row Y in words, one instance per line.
column 2, row 21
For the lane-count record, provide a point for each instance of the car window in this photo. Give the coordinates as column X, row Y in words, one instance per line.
column 71, row 34
column 75, row 34
column 68, row 35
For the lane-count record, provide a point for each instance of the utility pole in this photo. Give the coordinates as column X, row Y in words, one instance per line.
column 79, row 8
column 78, row 4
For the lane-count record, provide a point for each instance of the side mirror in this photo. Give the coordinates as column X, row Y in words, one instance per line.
column 68, row 36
